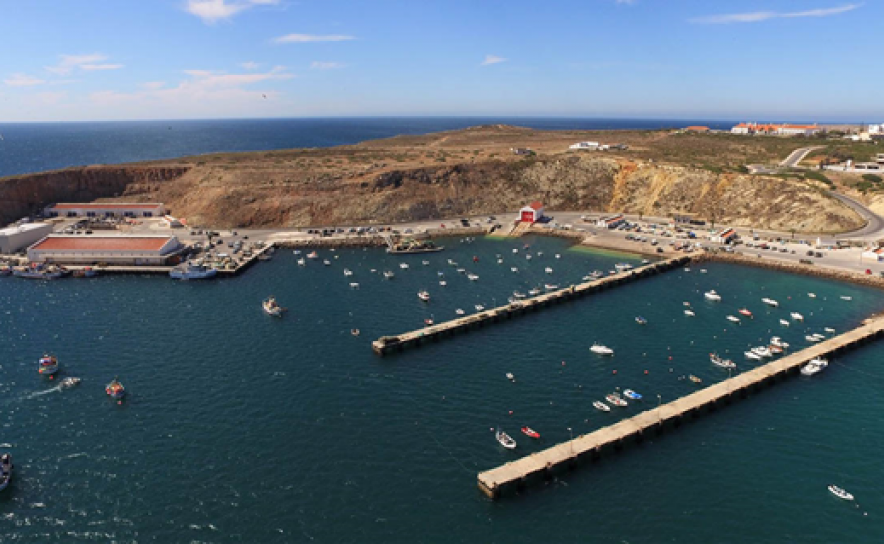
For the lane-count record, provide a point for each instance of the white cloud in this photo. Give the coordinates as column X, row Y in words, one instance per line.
column 250, row 65
column 212, row 11
column 207, row 79
column 492, row 59
column 97, row 67
column 68, row 63
column 153, row 85
column 309, row 38
column 757, row 16
column 627, row 2
column 320, row 65
column 23, row 80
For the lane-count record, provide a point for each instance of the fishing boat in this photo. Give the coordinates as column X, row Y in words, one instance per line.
column 423, row 295
column 813, row 366
column 689, row 313
column 528, row 431
column 510, row 376
column 599, row 405
column 712, row 295
column 479, row 307
column 48, row 365
column 695, row 379
column 840, row 493
column 641, row 320
column 505, row 440
column 770, row 302
column 599, row 349
column 844, row 297
column 312, row 255
column 752, row 355
column 745, row 312
column 472, row 277
column 733, row 319
column 271, row 307
column 630, row 394
column 718, row 361
column 348, row 272
column 459, row 311
column 389, row 274
column 39, row 271
column 784, row 323
column 87, row 272
column 616, row 400
column 548, row 270
column 192, row 271
column 115, row 389
column 762, row 351
column 6, row 468
column 811, row 295
column 796, row 316
column 778, row 342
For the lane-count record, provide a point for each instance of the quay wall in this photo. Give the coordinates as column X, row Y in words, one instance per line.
column 870, row 280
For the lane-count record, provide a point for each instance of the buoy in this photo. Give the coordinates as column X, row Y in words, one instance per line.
column 51, row 377
column 511, row 412
column 614, row 372
column 563, row 363
column 670, row 357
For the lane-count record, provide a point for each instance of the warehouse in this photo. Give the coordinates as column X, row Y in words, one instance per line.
column 111, row 250
column 108, row 209
column 15, row 238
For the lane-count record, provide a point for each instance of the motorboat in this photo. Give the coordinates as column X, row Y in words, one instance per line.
column 528, row 431
column 777, row 341
column 702, row 271
column 752, row 355
column 518, row 294
column 597, row 274
column 844, row 297
column 723, row 363
column 540, row 254
column 622, row 267
column 312, row 255
column 616, row 400
column 192, row 271
column 48, row 365
column 354, row 285
column 354, row 332
column 784, row 323
column 443, row 283
column 762, row 351
column 840, row 493
column 687, row 269
column 115, row 389
column 403, row 266
column 641, row 320
column 796, row 316
column 389, row 274
column 425, row 263
column 829, row 330
column 70, row 381
column 686, row 303
column 348, row 272
column 514, row 269
column 745, row 312
column 87, row 272
column 302, row 262
column 479, row 307
column 6, row 468
column 452, row 262
column 770, row 302
column 297, row 252
column 423, row 295
column 548, row 270
column 558, row 256
column 534, row 292
column 813, row 366
column 599, row 405
column 459, row 311
column 630, row 394
column 515, row 250
column 272, row 308
column 528, row 256
column 689, row 313
column 472, row 277
column 712, row 295
column 733, row 319
column 811, row 295
column 40, row 271
column 326, row 262
column 550, row 286
column 775, row 350
column 505, row 440
column 695, row 379
column 599, row 349
column 812, row 338
column 462, row 270
column 819, row 336
column 510, row 376
column 428, row 322
column 499, row 261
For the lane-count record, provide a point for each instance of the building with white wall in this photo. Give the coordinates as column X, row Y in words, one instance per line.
column 725, row 236
column 113, row 250
column 15, row 238
column 611, row 221
column 591, row 146
column 108, row 209
column 531, row 213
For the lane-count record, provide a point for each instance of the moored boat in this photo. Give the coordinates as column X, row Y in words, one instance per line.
column 192, row 271
column 762, row 351
column 599, row 349
column 796, row 316
column 505, row 440
column 479, row 307
column 528, row 431
column 733, row 319
column 752, row 355
column 689, row 313
column 695, row 379
column 312, row 255
column 389, row 274
column 712, row 295
column 641, row 320
column 115, row 389
column 423, row 295
column 459, row 311
column 48, row 365
column 548, row 270
column 745, row 312
column 770, row 302
column 599, row 405
column 814, row 366
column 630, row 394
column 842, row 494
column 811, row 295
column 718, row 361
column 784, row 323
column 616, row 400
column 6, row 468
column 777, row 341
column 272, row 308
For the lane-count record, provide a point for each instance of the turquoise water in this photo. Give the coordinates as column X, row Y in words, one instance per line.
column 243, row 428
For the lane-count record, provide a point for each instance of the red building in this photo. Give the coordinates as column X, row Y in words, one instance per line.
column 531, row 213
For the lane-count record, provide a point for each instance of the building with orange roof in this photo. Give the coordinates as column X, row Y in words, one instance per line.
column 114, row 250
column 785, row 129
column 696, row 128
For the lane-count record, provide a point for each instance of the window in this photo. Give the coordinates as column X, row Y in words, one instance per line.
column 90, row 214
column 148, row 214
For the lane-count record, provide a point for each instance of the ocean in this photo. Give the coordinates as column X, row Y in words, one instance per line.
column 35, row 147
column 244, row 428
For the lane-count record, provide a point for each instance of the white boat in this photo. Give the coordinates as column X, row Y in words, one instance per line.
column 443, row 283
column 425, row 263
column 423, row 295
column 550, row 286
column 733, row 319
column 784, row 323
column 712, row 295
column 505, row 440
column 534, row 292
column 354, row 285
column 528, row 256
column 689, row 313
column 812, row 338
column 47, row 365
column 297, row 252
column 601, row 350
column 840, row 493
column 778, row 342
column 796, row 316
column 829, row 330
column 348, row 272
column 389, row 274
column 686, row 303
column 272, row 308
column 190, row 271
column 616, row 399
column 403, row 266
column 687, row 269
column 518, row 294
column 459, row 312
column 462, row 270
column 558, row 256
column 70, row 381
column 472, row 277
column 723, row 363
column 514, row 269
column 548, row 270
column 770, row 302
column 813, row 366
column 622, row 267
column 811, row 295
column 752, row 355
column 451, row 262
column 510, row 377
column 599, row 405
column 6, row 468
column 515, row 250
column 326, row 262
column 844, row 297
column 819, row 336
column 762, row 351
column 479, row 307
column 302, row 262
column 597, row 274
column 702, row 271
column 499, row 261
column 312, row 255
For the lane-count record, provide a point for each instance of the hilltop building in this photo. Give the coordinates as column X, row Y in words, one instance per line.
column 785, row 129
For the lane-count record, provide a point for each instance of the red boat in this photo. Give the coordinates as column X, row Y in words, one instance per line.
column 530, row 432
column 745, row 312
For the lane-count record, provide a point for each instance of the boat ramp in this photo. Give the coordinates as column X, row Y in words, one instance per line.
column 543, row 465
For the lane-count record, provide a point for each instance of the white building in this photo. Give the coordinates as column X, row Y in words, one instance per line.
column 109, row 209
column 611, row 221
column 798, row 130
column 873, row 254
column 876, row 129
column 531, row 213
column 113, row 250
column 592, row 146
column 15, row 238
column 725, row 236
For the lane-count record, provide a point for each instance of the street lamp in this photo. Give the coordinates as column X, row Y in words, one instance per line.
column 571, row 442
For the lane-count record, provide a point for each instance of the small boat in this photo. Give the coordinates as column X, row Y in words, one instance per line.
column 770, row 302
column 505, row 440
column 514, row 269
column 190, row 271
column 403, row 266
column 479, row 307
column 302, row 262
column 784, row 323
column 812, row 338
column 733, row 319
column 829, row 330
column 630, row 394
column 616, row 400
column 48, row 365
column 389, row 274
column 348, row 272
column 539, row 253
column 354, row 332
column 597, row 274
column 459, row 312
column 443, row 283
column 695, row 379
column 472, row 277
column 297, row 252
column 818, row 336
column 428, row 322
column 528, row 257
column 87, row 272
column 272, row 308
column 687, row 269
column 115, row 389
column 689, row 313
column 518, row 294
column 425, row 263
column 811, row 295
column 844, row 297
column 718, row 361
column 326, row 262
column 534, row 292
column 423, row 295
column 70, row 381
column 462, row 270
column 558, row 256
column 599, row 405
column 641, row 320
column 778, row 342
column 528, row 431
column 548, row 270
column 702, row 271
column 510, row 376
column 550, row 286
column 840, row 493
column 752, row 355
column 312, row 255
column 775, row 350
column 515, row 250
column 452, row 263
column 686, row 303
column 813, row 366
column 499, row 261
column 712, row 295
column 6, row 468
column 762, row 351
column 622, row 267
column 599, row 349
column 796, row 316
column 745, row 312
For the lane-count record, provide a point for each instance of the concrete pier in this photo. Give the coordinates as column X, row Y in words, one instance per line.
column 521, row 472
column 385, row 344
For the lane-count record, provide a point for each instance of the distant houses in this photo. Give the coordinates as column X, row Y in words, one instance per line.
column 785, row 129
column 698, row 129
column 522, row 151
column 596, row 146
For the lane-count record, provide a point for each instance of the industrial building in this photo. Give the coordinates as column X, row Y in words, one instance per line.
column 108, row 209
column 611, row 221
column 112, row 250
column 13, row 239
column 725, row 236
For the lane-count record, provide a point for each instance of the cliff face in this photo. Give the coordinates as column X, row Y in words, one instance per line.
column 22, row 195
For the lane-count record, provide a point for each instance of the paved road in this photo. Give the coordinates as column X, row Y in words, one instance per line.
column 874, row 229
column 798, row 155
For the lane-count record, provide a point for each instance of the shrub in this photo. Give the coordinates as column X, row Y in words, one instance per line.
column 874, row 178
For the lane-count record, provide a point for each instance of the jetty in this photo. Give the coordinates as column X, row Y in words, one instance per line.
column 386, row 344
column 542, row 465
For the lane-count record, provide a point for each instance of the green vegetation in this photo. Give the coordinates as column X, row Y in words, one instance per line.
column 842, row 151
column 873, row 178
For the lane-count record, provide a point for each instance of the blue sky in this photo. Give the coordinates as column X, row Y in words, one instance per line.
column 69, row 60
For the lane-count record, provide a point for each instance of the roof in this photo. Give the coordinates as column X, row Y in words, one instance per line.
column 107, row 206
column 727, row 232
column 536, row 205
column 102, row 243
column 24, row 227
column 696, row 127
